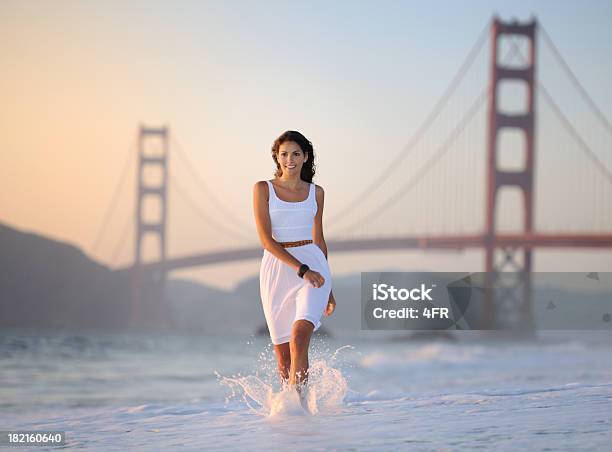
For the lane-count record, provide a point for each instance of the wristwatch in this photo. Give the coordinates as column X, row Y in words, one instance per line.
column 303, row 269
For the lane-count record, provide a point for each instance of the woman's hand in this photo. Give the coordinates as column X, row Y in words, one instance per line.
column 314, row 278
column 331, row 305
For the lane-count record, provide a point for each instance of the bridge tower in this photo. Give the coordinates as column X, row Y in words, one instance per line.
column 508, row 269
column 148, row 304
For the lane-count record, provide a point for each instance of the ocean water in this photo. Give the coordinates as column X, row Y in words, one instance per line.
column 366, row 392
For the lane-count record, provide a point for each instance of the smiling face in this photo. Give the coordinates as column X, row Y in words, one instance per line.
column 291, row 158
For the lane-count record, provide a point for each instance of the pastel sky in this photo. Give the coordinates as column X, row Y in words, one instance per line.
column 356, row 77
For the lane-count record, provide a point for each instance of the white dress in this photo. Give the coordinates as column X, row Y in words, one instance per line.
column 285, row 296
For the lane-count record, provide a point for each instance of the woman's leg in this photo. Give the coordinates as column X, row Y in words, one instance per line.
column 298, row 346
column 283, row 358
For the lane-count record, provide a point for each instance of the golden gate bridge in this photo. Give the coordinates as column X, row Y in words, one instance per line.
column 437, row 183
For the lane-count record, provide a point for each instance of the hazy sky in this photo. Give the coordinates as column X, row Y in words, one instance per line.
column 357, row 78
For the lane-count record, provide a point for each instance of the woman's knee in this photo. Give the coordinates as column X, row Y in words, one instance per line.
column 302, row 330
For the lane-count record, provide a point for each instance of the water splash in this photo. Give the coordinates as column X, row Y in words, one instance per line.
column 264, row 395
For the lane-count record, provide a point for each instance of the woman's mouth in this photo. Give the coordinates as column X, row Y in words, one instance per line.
column 290, row 166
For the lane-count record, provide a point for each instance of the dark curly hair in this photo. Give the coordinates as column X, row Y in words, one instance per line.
column 308, row 168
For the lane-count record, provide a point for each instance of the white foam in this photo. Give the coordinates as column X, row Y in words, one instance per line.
column 325, row 390
column 285, row 402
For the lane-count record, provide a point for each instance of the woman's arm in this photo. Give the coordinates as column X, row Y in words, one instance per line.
column 319, row 239
column 317, row 227
column 264, row 226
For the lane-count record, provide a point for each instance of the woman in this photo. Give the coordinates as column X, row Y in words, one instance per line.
column 295, row 279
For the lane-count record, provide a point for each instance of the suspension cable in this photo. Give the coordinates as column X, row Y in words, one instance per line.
column 435, row 158
column 574, row 133
column 115, row 197
column 589, row 100
column 404, row 152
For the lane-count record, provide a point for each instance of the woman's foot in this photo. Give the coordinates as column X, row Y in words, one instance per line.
column 303, row 392
column 288, row 401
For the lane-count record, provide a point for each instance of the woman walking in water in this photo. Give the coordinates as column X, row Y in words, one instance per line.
column 295, row 279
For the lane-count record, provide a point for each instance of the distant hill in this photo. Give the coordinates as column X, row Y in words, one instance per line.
column 48, row 283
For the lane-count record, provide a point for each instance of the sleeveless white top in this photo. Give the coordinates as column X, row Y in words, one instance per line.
column 292, row 221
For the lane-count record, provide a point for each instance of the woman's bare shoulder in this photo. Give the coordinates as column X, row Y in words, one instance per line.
column 261, row 187
column 260, row 184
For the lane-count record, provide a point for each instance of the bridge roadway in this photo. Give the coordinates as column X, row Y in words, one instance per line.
column 455, row 242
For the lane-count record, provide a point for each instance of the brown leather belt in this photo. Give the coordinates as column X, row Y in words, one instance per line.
column 298, row 243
